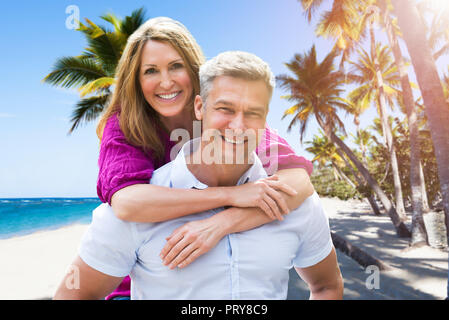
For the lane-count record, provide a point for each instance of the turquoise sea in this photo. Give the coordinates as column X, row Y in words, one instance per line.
column 24, row 216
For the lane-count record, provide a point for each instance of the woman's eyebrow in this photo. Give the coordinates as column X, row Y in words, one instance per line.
column 154, row 65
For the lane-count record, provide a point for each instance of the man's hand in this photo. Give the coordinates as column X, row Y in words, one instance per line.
column 190, row 241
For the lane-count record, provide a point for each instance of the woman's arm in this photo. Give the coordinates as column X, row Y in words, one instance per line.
column 125, row 172
column 242, row 219
column 195, row 238
column 151, row 203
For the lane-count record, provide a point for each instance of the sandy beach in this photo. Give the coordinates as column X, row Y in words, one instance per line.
column 32, row 266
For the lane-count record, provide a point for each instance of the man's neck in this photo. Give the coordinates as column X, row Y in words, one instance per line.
column 215, row 175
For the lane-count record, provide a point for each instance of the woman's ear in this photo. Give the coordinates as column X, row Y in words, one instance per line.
column 198, row 107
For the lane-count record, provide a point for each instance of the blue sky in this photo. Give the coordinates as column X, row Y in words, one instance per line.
column 39, row 159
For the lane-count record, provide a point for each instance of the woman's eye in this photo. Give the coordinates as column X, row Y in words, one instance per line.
column 150, row 71
column 177, row 66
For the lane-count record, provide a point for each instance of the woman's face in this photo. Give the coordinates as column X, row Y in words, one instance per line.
column 164, row 79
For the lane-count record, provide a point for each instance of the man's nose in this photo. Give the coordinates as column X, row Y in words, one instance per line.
column 238, row 122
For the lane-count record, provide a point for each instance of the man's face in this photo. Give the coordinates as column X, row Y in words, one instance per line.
column 234, row 115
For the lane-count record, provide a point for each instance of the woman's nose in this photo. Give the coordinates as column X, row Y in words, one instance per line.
column 166, row 81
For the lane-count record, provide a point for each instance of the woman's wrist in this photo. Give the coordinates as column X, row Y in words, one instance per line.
column 225, row 220
column 224, row 197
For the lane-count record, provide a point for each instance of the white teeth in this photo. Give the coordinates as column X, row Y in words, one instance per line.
column 234, row 142
column 168, row 96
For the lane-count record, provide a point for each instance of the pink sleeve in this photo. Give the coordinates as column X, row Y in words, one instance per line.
column 120, row 164
column 276, row 154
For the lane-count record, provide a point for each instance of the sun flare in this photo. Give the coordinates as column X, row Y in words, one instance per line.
column 438, row 5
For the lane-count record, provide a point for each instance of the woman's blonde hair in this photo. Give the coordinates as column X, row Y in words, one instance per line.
column 139, row 122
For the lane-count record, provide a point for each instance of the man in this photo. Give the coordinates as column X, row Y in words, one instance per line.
column 236, row 89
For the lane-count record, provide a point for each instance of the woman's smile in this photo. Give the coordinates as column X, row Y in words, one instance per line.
column 169, row 97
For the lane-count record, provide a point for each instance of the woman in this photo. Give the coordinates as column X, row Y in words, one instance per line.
column 157, row 81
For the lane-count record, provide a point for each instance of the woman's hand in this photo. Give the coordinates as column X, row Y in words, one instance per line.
column 264, row 194
column 190, row 241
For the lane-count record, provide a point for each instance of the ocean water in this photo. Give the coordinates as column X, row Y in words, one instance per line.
column 24, row 216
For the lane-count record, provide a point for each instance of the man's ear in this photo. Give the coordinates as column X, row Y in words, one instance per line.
column 198, row 107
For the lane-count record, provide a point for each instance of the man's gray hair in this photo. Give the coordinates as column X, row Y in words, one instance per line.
column 236, row 64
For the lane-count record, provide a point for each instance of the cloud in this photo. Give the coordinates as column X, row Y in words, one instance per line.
column 7, row 115
column 72, row 92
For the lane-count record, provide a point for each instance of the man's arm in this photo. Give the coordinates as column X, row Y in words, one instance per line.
column 324, row 279
column 85, row 283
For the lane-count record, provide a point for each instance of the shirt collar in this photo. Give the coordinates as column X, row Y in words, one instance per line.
column 182, row 178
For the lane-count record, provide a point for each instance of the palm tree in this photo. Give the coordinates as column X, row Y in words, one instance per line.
column 316, row 89
column 340, row 24
column 324, row 152
column 438, row 29
column 92, row 72
column 344, row 24
column 419, row 202
column 377, row 76
column 437, row 111
column 363, row 139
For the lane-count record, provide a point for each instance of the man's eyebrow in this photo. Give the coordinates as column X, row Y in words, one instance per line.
column 257, row 108
column 172, row 62
column 231, row 104
column 225, row 102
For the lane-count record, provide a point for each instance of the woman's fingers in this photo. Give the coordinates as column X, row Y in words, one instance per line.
column 274, row 207
column 182, row 255
column 266, row 208
column 172, row 240
column 282, row 187
column 192, row 257
column 175, row 250
column 279, row 200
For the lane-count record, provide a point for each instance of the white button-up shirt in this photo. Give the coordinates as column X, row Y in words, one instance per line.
column 252, row 264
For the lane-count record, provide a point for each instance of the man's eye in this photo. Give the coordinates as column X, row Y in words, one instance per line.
column 225, row 109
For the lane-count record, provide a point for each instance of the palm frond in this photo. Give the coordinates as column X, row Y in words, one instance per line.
column 73, row 71
column 87, row 109
column 310, row 6
column 96, row 86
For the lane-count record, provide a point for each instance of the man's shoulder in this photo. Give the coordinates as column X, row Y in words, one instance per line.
column 161, row 176
column 105, row 216
column 310, row 207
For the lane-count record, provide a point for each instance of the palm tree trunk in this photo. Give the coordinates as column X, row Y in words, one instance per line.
column 436, row 107
column 419, row 232
column 388, row 135
column 422, row 181
column 371, row 199
column 399, row 225
column 337, row 177
column 344, row 176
